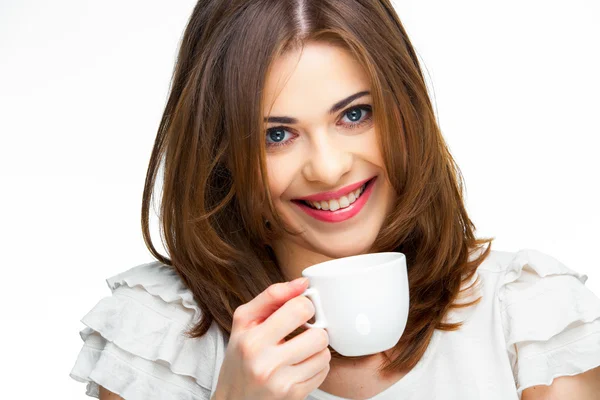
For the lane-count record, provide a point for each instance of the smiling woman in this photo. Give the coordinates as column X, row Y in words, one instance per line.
column 304, row 139
column 323, row 167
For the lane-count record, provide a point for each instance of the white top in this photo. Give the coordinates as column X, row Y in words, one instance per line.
column 536, row 321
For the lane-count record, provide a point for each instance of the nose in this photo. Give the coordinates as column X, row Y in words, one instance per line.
column 328, row 160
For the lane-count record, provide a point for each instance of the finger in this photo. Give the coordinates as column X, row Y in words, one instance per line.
column 312, row 383
column 286, row 319
column 305, row 370
column 268, row 301
column 303, row 346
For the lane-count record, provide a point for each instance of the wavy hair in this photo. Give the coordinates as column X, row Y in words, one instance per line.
column 211, row 143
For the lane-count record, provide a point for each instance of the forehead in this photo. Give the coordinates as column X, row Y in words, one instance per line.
column 301, row 84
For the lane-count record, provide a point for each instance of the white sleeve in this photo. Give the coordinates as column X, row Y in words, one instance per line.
column 551, row 320
column 133, row 342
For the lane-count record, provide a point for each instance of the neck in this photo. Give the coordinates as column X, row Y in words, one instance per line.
column 293, row 259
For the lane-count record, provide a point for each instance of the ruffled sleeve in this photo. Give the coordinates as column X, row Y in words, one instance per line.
column 551, row 320
column 133, row 342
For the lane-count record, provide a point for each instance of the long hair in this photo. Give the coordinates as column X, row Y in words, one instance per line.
column 215, row 195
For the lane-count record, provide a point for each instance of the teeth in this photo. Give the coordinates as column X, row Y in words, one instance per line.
column 336, row 204
column 344, row 202
column 333, row 205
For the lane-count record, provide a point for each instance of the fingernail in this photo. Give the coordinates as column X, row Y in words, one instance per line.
column 299, row 282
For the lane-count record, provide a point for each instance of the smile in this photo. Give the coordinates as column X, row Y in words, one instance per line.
column 340, row 208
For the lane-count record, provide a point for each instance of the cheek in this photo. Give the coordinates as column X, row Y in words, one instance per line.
column 368, row 148
column 282, row 170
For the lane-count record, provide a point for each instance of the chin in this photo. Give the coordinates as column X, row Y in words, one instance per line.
column 344, row 247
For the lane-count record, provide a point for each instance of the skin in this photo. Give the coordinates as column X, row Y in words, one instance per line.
column 106, row 394
column 322, row 153
column 584, row 386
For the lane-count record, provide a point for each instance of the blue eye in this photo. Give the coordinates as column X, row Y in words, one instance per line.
column 356, row 114
column 276, row 136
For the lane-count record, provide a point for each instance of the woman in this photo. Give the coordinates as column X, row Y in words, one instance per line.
column 276, row 101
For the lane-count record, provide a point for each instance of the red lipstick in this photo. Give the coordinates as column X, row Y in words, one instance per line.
column 341, row 214
column 334, row 194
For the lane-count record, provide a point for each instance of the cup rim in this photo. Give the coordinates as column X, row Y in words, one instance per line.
column 309, row 271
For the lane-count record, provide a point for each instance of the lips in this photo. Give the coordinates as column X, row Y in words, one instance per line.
column 334, row 194
column 340, row 214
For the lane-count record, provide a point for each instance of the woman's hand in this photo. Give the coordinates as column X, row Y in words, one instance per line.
column 259, row 364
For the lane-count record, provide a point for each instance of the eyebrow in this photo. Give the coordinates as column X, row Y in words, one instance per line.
column 336, row 107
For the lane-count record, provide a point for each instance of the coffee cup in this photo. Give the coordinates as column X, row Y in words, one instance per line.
column 361, row 301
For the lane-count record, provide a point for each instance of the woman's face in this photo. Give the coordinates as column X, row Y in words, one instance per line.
column 314, row 152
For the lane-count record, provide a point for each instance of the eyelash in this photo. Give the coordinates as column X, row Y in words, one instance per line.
column 353, row 125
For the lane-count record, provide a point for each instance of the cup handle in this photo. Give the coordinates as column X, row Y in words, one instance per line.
column 320, row 321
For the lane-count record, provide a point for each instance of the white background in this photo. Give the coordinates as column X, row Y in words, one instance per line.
column 83, row 85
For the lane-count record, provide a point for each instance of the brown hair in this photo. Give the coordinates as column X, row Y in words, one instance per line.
column 211, row 139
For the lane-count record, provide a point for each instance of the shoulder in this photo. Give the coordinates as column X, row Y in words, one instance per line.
column 159, row 286
column 134, row 343
column 550, row 318
column 514, row 275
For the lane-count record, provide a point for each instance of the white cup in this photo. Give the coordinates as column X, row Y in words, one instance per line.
column 361, row 301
